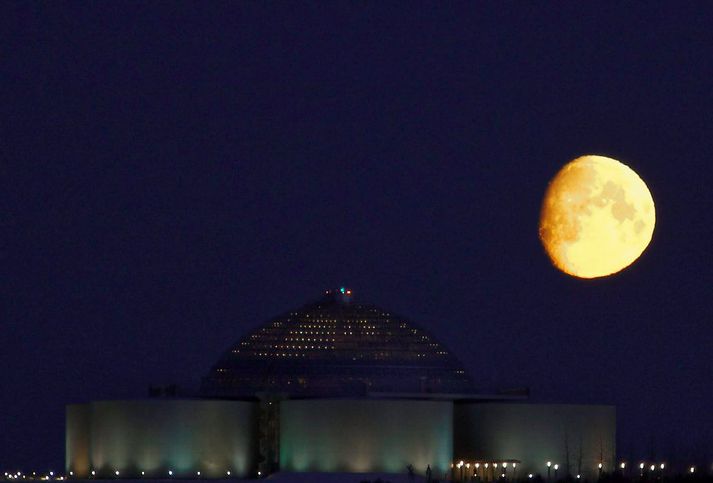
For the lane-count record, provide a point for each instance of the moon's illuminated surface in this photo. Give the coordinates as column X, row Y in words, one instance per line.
column 597, row 217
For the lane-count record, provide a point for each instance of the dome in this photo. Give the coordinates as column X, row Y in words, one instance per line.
column 336, row 347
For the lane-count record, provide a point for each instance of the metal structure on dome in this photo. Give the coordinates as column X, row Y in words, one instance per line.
column 336, row 347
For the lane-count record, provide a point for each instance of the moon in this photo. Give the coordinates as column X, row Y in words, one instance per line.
column 597, row 217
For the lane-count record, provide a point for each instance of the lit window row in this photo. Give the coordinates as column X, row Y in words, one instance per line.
column 312, row 332
column 303, row 347
column 278, row 354
column 309, row 339
column 288, row 346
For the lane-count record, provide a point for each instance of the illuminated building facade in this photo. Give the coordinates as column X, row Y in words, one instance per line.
column 336, row 386
column 187, row 438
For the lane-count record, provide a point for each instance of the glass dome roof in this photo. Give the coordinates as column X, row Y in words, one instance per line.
column 336, row 347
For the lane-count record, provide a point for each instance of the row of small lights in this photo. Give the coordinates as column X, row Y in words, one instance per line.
column 662, row 466
column 486, row 465
column 17, row 475
column 460, row 464
column 652, row 467
column 477, row 465
column 170, row 473
column 622, row 466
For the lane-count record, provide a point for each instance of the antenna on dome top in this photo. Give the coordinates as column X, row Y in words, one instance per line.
column 342, row 294
column 345, row 295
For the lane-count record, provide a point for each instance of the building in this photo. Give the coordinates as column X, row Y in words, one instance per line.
column 338, row 386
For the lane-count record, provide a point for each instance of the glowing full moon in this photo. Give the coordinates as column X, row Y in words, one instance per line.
column 597, row 217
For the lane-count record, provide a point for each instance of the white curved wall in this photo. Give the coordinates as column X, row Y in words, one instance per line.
column 77, row 440
column 334, row 436
column 155, row 436
column 578, row 435
column 366, row 435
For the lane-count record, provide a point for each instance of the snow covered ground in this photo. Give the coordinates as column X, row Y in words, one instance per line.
column 343, row 478
column 286, row 478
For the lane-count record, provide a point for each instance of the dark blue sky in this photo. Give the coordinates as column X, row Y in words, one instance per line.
column 174, row 174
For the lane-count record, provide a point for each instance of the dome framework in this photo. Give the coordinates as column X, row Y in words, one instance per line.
column 336, row 348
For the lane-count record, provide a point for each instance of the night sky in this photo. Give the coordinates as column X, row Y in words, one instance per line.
column 175, row 174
